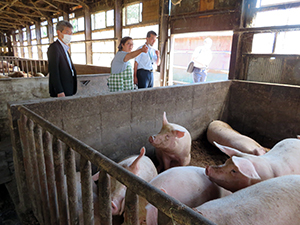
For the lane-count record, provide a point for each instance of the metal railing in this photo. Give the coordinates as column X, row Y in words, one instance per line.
column 29, row 66
column 47, row 165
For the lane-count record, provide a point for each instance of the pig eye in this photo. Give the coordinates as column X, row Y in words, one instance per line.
column 167, row 136
column 233, row 171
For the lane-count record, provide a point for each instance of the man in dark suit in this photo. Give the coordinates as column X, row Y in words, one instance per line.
column 62, row 73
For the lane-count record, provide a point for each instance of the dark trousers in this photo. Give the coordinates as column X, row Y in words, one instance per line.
column 145, row 78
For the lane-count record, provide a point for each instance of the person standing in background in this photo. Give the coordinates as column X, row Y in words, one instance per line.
column 62, row 73
column 202, row 57
column 143, row 66
column 121, row 78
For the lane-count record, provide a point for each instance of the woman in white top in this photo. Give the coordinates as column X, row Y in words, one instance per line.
column 121, row 77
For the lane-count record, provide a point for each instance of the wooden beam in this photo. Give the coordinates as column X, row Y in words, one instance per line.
column 38, row 39
column 21, row 42
column 22, row 5
column 28, row 32
column 37, row 10
column 50, row 31
column 21, row 14
column 88, row 35
column 54, row 6
column 163, row 40
column 118, row 23
column 8, row 5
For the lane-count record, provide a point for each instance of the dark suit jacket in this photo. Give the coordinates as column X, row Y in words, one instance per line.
column 60, row 74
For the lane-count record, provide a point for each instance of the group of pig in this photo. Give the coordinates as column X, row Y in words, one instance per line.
column 239, row 192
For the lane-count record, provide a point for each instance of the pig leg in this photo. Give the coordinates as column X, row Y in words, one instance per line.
column 159, row 157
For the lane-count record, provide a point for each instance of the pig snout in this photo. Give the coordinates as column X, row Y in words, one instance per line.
column 115, row 210
column 151, row 139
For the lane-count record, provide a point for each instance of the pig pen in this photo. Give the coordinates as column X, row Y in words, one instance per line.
column 106, row 128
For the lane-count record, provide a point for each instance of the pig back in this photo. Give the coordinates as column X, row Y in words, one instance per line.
column 220, row 132
column 274, row 201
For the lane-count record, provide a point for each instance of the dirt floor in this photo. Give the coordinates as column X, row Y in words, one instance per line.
column 202, row 154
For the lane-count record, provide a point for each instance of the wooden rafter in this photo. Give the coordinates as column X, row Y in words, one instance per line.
column 15, row 14
column 54, row 6
column 8, row 5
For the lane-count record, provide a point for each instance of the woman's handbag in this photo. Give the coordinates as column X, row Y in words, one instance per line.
column 190, row 67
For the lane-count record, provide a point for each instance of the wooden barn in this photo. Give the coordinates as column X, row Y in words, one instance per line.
column 252, row 84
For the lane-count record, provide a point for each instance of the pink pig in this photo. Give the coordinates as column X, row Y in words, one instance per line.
column 141, row 166
column 172, row 144
column 223, row 134
column 274, row 201
column 187, row 184
column 242, row 170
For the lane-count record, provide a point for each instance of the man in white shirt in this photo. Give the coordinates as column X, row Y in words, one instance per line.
column 143, row 66
column 202, row 57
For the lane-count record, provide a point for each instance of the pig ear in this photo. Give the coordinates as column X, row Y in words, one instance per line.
column 165, row 121
column 228, row 150
column 178, row 133
column 246, row 167
column 163, row 190
column 134, row 167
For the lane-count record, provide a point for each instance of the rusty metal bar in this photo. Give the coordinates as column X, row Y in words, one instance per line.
column 48, row 154
column 131, row 208
column 60, row 181
column 104, row 212
column 87, row 191
column 180, row 212
column 42, row 173
column 72, row 186
column 35, row 174
column 21, row 162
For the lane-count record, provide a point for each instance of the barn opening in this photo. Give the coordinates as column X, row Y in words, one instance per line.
column 183, row 46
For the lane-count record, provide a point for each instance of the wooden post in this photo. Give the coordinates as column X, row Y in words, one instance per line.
column 9, row 45
column 86, row 189
column 72, row 186
column 21, row 43
column 15, row 46
column 38, row 39
column 118, row 23
column 88, row 36
column 163, row 38
column 131, row 208
column 60, row 181
column 42, row 173
column 47, row 143
column 104, row 199
column 28, row 31
column 50, row 31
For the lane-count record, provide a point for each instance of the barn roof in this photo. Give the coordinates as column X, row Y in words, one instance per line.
column 15, row 14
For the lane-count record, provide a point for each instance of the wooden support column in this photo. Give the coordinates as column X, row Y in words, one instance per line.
column 9, row 45
column 38, row 39
column 65, row 15
column 50, row 31
column 236, row 47
column 28, row 31
column 21, row 43
column 15, row 49
column 118, row 23
column 88, row 36
column 163, row 40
